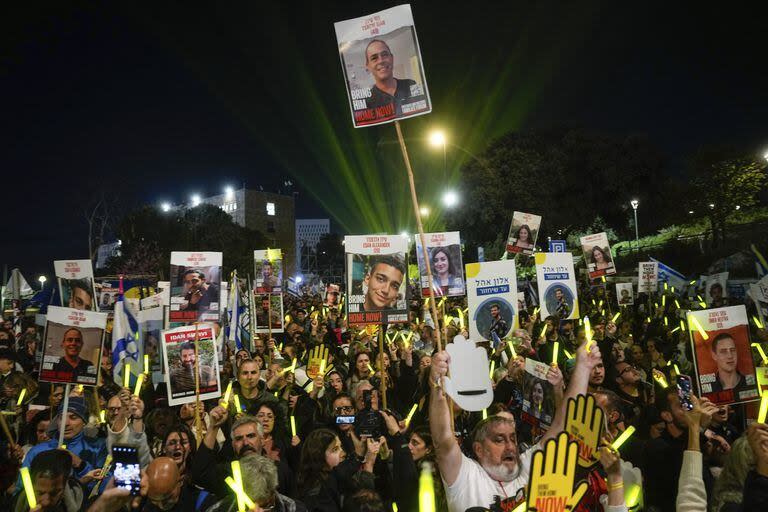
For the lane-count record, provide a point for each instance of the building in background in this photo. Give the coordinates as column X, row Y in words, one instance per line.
column 308, row 234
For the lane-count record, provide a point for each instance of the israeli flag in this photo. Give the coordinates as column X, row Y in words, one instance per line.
column 233, row 312
column 670, row 275
column 125, row 341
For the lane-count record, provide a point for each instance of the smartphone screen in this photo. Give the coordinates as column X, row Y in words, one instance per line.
column 684, row 392
column 127, row 469
column 340, row 420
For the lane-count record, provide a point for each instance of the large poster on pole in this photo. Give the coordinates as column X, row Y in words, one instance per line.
column 624, row 294
column 268, row 271
column 195, row 285
column 523, row 233
column 647, row 276
column 269, row 312
column 722, row 354
column 185, row 348
column 444, row 250
column 72, row 348
column 377, row 279
column 597, row 255
column 382, row 66
column 556, row 281
column 492, row 299
column 76, row 284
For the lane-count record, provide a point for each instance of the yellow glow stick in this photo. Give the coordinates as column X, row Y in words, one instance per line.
column 602, row 312
column 237, row 403
column 593, row 302
column 485, row 414
column 632, row 496
column 617, row 315
column 672, row 288
column 146, row 363
column 602, row 278
column 29, row 489
column 665, row 286
column 543, row 331
column 588, row 332
column 664, row 300
column 241, row 496
column 461, row 318
column 763, row 408
column 293, row 365
column 126, row 375
column 666, row 322
column 580, row 321
column 512, row 351
column 555, row 349
column 661, row 380
column 21, row 396
column 600, row 304
column 227, row 393
column 293, row 426
column 673, row 331
column 677, row 370
column 568, row 354
column 692, row 282
column 682, row 325
column 703, row 305
column 648, row 319
column 237, row 476
column 103, row 416
column 677, row 304
column 426, row 491
column 623, row 437
column 370, row 368
column 493, row 367
column 655, row 305
column 762, row 354
column 697, row 325
column 394, row 507
column 139, row 383
column 535, row 310
column 757, row 321
column 410, row 415
column 63, row 446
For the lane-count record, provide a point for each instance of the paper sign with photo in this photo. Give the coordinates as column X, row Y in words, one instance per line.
column 73, row 343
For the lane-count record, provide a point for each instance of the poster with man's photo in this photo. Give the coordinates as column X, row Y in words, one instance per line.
column 182, row 347
column 269, row 306
column 73, row 344
column 332, row 295
column 725, row 370
column 444, row 250
column 624, row 294
column 647, row 276
column 492, row 299
column 523, row 233
column 377, row 279
column 195, row 287
column 557, row 285
column 150, row 332
column 268, row 271
column 382, row 66
column 76, row 286
column 716, row 289
column 106, row 294
column 538, row 399
column 597, row 255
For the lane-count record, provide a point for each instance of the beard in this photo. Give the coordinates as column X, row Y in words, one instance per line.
column 501, row 472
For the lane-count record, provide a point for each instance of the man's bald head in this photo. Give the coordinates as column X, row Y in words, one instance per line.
column 163, row 475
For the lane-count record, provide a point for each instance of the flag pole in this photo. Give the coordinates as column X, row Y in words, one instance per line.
column 383, row 383
column 64, row 414
column 198, row 419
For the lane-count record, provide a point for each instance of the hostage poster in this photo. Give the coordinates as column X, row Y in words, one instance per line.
column 73, row 344
column 647, row 276
column 557, row 285
column 377, row 279
column 195, row 284
column 624, row 294
column 523, row 233
column 597, row 255
column 268, row 271
column 182, row 347
column 444, row 250
column 76, row 286
column 382, row 66
column 492, row 299
column 725, row 370
column 269, row 312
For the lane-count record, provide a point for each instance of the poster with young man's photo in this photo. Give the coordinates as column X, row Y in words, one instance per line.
column 725, row 370
column 269, row 308
column 382, row 66
column 624, row 294
column 76, row 286
column 72, row 349
column 492, row 299
column 195, row 287
column 182, row 347
column 523, row 233
column 268, row 271
column 377, row 279
column 556, row 281
column 716, row 286
column 597, row 255
column 444, row 251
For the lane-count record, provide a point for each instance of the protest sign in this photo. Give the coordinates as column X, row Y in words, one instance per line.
column 382, row 66
column 597, row 255
column 76, row 286
column 552, row 476
column 195, row 285
column 647, row 276
column 523, row 233
column 722, row 354
column 538, row 399
column 470, row 389
column 106, row 294
column 492, row 299
column 269, row 306
column 181, row 348
column 557, row 285
column 150, row 331
column 716, row 286
column 332, row 295
column 584, row 424
column 444, row 251
column 376, row 279
column 624, row 294
column 268, row 271
column 73, row 343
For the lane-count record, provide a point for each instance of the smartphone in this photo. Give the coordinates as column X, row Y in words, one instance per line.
column 684, row 388
column 127, row 469
column 342, row 420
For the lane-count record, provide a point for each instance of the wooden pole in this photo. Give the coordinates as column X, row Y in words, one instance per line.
column 64, row 414
column 425, row 253
column 382, row 372
column 198, row 419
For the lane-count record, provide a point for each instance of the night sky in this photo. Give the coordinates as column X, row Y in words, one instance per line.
column 149, row 103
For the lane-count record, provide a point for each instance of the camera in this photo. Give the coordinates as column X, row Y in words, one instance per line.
column 367, row 421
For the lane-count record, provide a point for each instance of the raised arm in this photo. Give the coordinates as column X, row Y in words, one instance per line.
column 446, row 447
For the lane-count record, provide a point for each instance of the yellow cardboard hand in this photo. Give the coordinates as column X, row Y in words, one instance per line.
column 316, row 356
column 552, row 473
column 584, row 423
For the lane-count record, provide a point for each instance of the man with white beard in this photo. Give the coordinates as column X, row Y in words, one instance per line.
column 497, row 479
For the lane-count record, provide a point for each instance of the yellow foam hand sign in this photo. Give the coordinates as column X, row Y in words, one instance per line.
column 553, row 471
column 317, row 355
column 584, row 423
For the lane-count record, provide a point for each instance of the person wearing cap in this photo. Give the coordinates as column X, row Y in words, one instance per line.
column 88, row 454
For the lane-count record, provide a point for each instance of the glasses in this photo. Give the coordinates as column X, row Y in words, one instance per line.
column 344, row 408
column 631, row 367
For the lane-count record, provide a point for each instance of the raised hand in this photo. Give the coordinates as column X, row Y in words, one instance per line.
column 553, row 471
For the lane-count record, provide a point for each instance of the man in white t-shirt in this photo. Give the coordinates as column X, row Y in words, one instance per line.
column 497, row 479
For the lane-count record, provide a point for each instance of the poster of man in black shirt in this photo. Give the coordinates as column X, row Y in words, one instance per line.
column 73, row 342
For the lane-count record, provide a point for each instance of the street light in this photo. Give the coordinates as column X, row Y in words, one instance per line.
column 450, row 199
column 165, row 207
column 436, row 139
column 424, row 211
column 635, row 203
column 405, row 234
column 195, row 200
column 42, row 280
column 229, row 193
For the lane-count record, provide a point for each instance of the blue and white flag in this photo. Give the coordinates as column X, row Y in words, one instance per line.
column 125, row 341
column 233, row 313
column 670, row 275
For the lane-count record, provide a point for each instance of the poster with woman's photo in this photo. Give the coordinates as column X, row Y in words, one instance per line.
column 382, row 67
column 269, row 306
column 624, row 294
column 538, row 399
column 195, row 287
column 716, row 289
column 73, row 344
column 182, row 348
column 723, row 361
column 76, row 286
column 556, row 281
column 597, row 255
column 523, row 233
column 492, row 299
column 377, row 279
column 444, row 251
column 268, row 271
